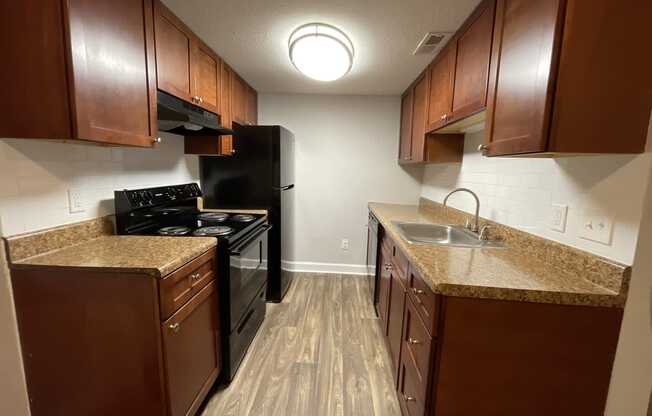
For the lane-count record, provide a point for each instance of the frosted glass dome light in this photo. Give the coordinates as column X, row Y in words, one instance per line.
column 321, row 51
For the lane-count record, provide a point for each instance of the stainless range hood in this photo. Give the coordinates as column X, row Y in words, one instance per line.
column 179, row 117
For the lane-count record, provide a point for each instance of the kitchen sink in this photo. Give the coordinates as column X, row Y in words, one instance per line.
column 447, row 235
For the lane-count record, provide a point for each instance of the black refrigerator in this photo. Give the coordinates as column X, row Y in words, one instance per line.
column 259, row 175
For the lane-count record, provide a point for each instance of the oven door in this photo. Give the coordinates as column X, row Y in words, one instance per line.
column 248, row 272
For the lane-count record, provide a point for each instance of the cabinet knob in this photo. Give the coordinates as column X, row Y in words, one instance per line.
column 195, row 276
column 409, row 398
column 388, row 267
column 443, row 117
column 201, row 99
column 483, row 148
column 233, row 151
column 413, row 341
column 157, row 140
column 175, row 327
column 417, row 291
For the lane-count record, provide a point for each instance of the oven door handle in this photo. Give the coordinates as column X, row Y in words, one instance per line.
column 237, row 250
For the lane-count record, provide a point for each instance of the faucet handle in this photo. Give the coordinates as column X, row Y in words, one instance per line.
column 483, row 232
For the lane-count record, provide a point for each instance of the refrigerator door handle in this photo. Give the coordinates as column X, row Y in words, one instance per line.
column 283, row 188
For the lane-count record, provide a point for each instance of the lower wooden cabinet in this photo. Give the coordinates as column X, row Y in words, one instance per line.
column 189, row 348
column 465, row 356
column 99, row 342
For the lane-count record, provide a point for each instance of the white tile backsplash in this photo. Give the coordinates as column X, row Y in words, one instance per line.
column 35, row 176
column 520, row 192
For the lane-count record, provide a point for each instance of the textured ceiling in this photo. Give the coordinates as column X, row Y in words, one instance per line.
column 252, row 36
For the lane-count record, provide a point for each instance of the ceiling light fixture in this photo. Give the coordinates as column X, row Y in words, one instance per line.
column 321, row 51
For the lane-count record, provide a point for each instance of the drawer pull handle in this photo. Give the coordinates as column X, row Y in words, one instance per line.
column 388, row 267
column 417, row 291
column 175, row 327
column 413, row 341
column 195, row 276
column 409, row 398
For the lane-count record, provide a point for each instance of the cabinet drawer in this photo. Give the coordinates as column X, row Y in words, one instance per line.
column 412, row 402
column 417, row 345
column 426, row 302
column 178, row 287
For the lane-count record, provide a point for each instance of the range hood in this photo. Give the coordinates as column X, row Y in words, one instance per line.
column 179, row 117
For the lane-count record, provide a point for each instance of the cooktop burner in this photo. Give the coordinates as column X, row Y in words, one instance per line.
column 243, row 218
column 212, row 231
column 213, row 216
column 174, row 231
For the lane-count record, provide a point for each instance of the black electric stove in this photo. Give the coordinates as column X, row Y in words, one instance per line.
column 242, row 255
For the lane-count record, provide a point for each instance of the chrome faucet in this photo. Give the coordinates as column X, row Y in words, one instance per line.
column 473, row 227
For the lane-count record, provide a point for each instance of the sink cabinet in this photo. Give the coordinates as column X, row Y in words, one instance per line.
column 122, row 343
column 456, row 355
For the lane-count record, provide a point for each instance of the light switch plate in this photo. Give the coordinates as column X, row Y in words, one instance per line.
column 558, row 217
column 76, row 201
column 597, row 226
column 345, row 244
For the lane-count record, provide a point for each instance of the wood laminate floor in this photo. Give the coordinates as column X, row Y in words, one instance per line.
column 320, row 352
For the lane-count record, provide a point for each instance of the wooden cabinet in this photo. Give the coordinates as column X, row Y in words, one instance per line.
column 127, row 342
column 384, row 286
column 189, row 346
column 442, row 80
column 252, row 106
column 239, row 99
column 72, row 78
column 419, row 109
column 395, row 318
column 473, row 50
column 559, row 84
column 186, row 67
column 405, row 140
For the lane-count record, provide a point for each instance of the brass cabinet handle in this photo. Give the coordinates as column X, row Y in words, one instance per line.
column 233, row 151
column 409, row 398
column 483, row 148
column 388, row 267
column 201, row 99
column 175, row 327
column 195, row 98
column 195, row 276
column 413, row 341
column 417, row 291
column 157, row 140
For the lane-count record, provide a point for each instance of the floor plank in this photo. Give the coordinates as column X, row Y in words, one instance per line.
column 320, row 352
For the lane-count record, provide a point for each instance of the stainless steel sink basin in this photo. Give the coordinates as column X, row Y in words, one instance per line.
column 448, row 235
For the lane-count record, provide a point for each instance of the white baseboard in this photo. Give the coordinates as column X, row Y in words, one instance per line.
column 337, row 268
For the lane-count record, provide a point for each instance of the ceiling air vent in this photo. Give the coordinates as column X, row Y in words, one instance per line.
column 431, row 41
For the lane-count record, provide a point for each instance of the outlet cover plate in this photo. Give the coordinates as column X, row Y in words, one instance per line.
column 76, row 201
column 559, row 214
column 597, row 226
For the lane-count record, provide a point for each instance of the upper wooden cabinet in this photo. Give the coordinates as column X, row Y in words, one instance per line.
column 561, row 84
column 239, row 99
column 70, row 77
column 252, row 106
column 405, row 142
column 442, row 78
column 419, row 109
column 186, row 67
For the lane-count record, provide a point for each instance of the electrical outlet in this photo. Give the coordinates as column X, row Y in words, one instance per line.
column 597, row 226
column 76, row 201
column 345, row 244
column 558, row 217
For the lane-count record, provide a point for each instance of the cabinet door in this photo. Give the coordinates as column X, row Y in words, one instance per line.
column 395, row 320
column 191, row 351
column 405, row 140
column 113, row 71
column 419, row 112
column 226, row 107
column 523, row 62
column 173, row 51
column 239, row 99
column 383, row 289
column 252, row 106
column 472, row 63
column 206, row 77
column 442, row 78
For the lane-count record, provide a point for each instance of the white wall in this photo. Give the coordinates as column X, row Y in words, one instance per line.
column 346, row 150
column 519, row 192
column 631, row 382
column 35, row 177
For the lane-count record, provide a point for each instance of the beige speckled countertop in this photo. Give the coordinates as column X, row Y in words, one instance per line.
column 156, row 256
column 507, row 273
